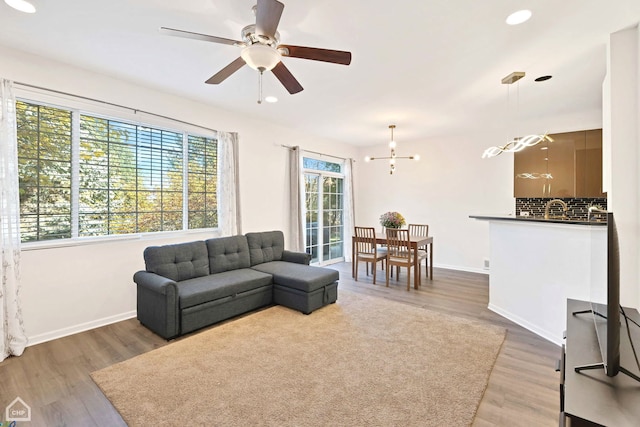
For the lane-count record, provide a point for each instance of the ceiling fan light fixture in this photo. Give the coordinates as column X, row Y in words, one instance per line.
column 519, row 17
column 21, row 5
column 261, row 57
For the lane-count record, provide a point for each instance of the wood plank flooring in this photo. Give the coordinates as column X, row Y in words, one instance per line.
column 53, row 377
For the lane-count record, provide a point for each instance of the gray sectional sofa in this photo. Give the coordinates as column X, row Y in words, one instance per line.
column 188, row 286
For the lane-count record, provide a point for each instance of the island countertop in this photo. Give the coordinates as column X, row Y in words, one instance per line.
column 505, row 217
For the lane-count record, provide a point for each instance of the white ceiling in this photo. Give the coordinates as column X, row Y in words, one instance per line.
column 428, row 66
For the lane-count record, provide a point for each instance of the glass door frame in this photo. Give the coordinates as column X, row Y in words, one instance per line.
column 320, row 244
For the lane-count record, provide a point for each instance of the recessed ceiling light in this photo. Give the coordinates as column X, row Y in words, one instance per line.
column 21, row 5
column 271, row 99
column 543, row 78
column 519, row 17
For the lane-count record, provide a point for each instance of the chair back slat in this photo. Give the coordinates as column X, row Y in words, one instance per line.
column 419, row 230
column 365, row 240
column 398, row 243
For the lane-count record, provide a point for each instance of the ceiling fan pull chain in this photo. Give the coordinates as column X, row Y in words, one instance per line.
column 260, row 88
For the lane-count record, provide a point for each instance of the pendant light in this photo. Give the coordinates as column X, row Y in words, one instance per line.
column 392, row 156
column 518, row 143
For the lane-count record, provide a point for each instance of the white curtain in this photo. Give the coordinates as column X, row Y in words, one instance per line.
column 296, row 194
column 12, row 337
column 229, row 220
column 349, row 211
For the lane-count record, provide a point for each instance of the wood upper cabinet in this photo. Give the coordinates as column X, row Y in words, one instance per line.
column 530, row 169
column 589, row 166
column 570, row 166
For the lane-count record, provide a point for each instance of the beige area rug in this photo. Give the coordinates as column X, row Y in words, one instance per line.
column 363, row 361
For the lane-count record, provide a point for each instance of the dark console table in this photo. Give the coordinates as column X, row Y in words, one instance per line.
column 590, row 397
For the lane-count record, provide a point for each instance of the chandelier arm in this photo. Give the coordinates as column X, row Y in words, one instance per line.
column 388, row 158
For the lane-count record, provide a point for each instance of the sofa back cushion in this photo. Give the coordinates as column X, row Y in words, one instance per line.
column 266, row 246
column 228, row 253
column 178, row 262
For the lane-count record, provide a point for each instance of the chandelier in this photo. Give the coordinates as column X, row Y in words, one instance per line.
column 392, row 156
column 517, row 144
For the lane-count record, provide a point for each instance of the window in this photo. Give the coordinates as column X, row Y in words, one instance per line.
column 130, row 178
column 203, row 182
column 44, row 163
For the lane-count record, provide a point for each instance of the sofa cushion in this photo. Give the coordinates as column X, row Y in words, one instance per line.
column 298, row 276
column 178, row 262
column 229, row 283
column 266, row 246
column 228, row 253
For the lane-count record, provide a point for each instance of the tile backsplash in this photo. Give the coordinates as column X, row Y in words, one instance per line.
column 578, row 208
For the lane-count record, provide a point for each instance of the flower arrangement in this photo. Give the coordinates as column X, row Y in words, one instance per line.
column 392, row 220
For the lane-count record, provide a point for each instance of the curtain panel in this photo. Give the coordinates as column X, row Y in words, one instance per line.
column 12, row 336
column 229, row 219
column 349, row 211
column 296, row 196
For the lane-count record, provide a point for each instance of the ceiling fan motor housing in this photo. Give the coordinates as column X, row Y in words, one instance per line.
column 250, row 37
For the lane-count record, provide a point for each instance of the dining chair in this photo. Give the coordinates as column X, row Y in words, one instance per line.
column 421, row 230
column 399, row 252
column 366, row 249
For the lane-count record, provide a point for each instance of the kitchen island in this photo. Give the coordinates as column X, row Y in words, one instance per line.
column 537, row 263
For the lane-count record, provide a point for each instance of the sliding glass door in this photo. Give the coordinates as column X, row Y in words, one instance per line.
column 324, row 206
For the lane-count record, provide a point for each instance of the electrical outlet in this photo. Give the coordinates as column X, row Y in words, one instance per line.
column 486, row 264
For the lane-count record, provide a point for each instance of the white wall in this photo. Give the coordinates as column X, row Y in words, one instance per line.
column 68, row 289
column 621, row 141
column 450, row 182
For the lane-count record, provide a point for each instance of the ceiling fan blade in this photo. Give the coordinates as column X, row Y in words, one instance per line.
column 316, row 54
column 198, row 36
column 268, row 14
column 286, row 78
column 221, row 75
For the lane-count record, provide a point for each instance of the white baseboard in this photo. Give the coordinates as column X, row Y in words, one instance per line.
column 49, row 336
column 527, row 325
column 459, row 268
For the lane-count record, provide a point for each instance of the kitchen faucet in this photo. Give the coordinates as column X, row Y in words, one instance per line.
column 593, row 212
column 565, row 208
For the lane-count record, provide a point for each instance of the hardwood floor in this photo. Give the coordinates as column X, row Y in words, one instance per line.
column 53, row 377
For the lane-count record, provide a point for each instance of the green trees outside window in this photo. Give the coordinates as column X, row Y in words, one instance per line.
column 44, row 163
column 127, row 178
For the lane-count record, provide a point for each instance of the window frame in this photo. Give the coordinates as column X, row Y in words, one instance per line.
column 166, row 125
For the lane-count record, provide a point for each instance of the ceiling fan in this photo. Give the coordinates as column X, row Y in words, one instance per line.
column 261, row 48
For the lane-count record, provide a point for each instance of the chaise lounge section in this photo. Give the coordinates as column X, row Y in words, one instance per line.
column 188, row 286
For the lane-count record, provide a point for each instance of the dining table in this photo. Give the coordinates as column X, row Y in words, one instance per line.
column 415, row 241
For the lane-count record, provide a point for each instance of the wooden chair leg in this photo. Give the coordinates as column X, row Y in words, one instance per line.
column 374, row 264
column 355, row 271
column 408, row 278
column 387, row 274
